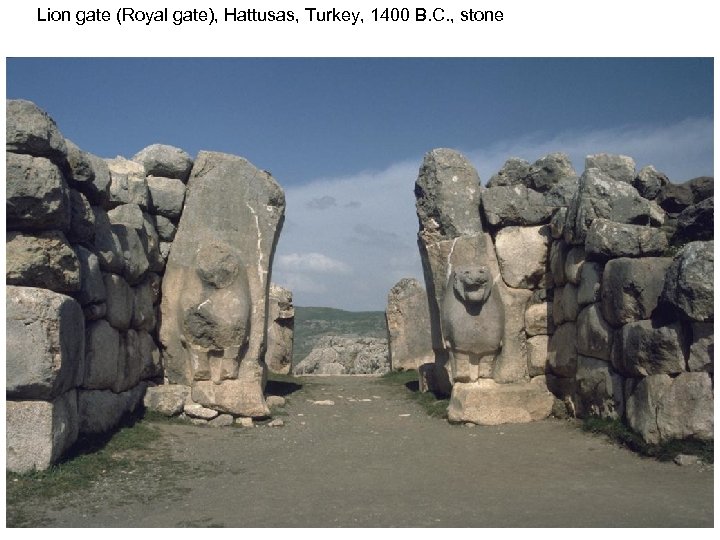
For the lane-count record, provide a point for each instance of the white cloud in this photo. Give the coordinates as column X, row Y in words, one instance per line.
column 364, row 240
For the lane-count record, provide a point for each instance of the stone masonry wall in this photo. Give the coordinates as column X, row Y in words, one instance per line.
column 612, row 279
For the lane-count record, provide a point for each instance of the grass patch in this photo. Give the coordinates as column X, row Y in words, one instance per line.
column 666, row 451
column 434, row 406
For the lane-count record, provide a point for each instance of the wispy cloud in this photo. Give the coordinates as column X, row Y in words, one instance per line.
column 368, row 226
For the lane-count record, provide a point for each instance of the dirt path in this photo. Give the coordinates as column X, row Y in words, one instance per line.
column 375, row 459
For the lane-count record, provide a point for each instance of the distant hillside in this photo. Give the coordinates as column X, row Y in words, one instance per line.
column 312, row 323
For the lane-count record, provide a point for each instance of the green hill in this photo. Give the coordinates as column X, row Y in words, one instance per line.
column 311, row 323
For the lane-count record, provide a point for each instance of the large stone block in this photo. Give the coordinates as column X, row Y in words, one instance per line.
column 36, row 195
column 538, row 350
column 107, row 244
column 215, row 290
column 120, row 300
column 45, row 343
column 550, row 170
column 102, row 356
column 92, row 286
column 39, row 432
column 565, row 304
column 649, row 181
column 101, row 410
column 165, row 228
column 688, row 286
column 165, row 160
column 82, row 219
column 130, row 362
column 281, row 325
column 515, row 205
column 44, row 260
column 539, row 319
column 127, row 183
column 647, row 349
column 697, row 222
column 135, row 261
column 522, row 253
column 599, row 389
column 167, row 399
column 702, row 347
column 558, row 255
column 515, row 171
column 29, row 130
column 590, row 283
column 488, row 403
column 408, row 322
column 143, row 313
column 150, row 356
column 562, row 354
column 237, row 397
column 166, row 196
column 594, row 335
column 617, row 167
column 607, row 239
column 631, row 288
column 574, row 261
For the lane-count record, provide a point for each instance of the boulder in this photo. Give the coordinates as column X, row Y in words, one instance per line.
column 102, row 356
column 408, row 323
column 549, row 171
column 702, row 347
column 696, row 222
column 215, row 289
column 647, row 349
column 565, row 304
column 557, row 223
column 165, row 228
column 574, row 261
column 688, row 287
column 488, row 403
column 617, row 167
column 29, row 130
column 151, row 244
column 538, row 348
column 120, row 300
column 631, row 288
column 143, row 312
column 514, row 171
column 45, row 347
column 281, row 325
column 36, row 195
column 600, row 196
column 92, row 286
column 702, row 187
column 130, row 215
column 600, row 391
column 539, row 319
column 134, row 256
column 150, row 356
column 101, row 410
column 237, row 397
column 127, row 183
column 39, row 432
column 195, row 410
column 107, row 244
column 590, row 283
column 168, row 399
column 45, row 260
column 130, row 362
column 594, row 335
column 562, row 352
column 355, row 355
column 515, row 205
column 166, row 196
column 222, row 420
column 522, row 253
column 165, row 160
column 82, row 220
column 607, row 239
column 649, row 182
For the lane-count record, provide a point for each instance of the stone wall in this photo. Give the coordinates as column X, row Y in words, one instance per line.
column 87, row 245
column 604, row 288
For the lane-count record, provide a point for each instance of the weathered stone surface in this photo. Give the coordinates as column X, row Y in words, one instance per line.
column 130, row 215
column 599, row 196
column 515, row 205
column 538, row 348
column 130, row 362
column 486, row 402
column 120, row 299
column 151, row 244
column 165, row 250
column 167, row 399
column 561, row 194
column 513, row 172
column 564, row 388
column 702, row 347
column 166, row 196
column 631, row 288
column 216, row 282
column 98, row 190
column 447, row 195
column 101, row 410
column 702, row 187
column 649, row 181
column 82, row 219
column 697, row 222
column 594, row 335
column 617, row 167
column 574, row 261
column 94, row 312
column 165, row 228
column 688, row 284
column 107, row 244
column 92, row 287
column 143, row 313
column 674, row 198
column 562, row 354
column 275, row 401
column 565, row 304
column 244, row 422
column 590, row 283
column 646, row 349
column 39, row 432
column 102, row 356
column 127, row 183
column 661, row 408
column 281, row 326
column 81, row 167
column 550, row 170
column 165, row 160
column 45, row 347
column 44, row 260
column 237, row 397
column 607, row 239
column 558, row 255
column 539, row 319
column 408, row 322
column 522, row 253
column 195, row 410
column 600, row 391
column 222, row 420
column 29, row 130
column 150, row 356
column 36, row 195
column 557, row 223
column 135, row 261
column 349, row 355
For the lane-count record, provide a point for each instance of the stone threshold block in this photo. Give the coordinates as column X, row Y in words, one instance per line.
column 488, row 403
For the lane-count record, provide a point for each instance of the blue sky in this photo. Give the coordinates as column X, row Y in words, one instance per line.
column 345, row 137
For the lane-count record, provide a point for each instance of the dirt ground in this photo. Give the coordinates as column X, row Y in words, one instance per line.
column 375, row 459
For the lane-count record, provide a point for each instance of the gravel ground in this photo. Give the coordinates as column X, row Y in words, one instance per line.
column 373, row 458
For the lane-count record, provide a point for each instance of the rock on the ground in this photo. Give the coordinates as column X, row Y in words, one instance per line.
column 167, row 399
column 408, row 322
column 235, row 396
